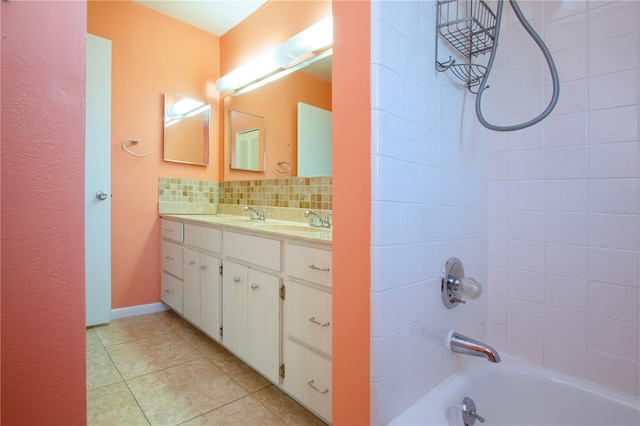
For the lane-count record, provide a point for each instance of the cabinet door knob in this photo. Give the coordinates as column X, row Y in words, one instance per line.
column 192, row 262
column 237, row 280
column 254, row 286
column 203, row 267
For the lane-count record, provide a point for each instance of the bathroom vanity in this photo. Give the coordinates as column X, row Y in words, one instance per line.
column 262, row 289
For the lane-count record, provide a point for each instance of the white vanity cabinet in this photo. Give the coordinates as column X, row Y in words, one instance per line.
column 202, row 284
column 264, row 296
column 307, row 326
column 171, row 261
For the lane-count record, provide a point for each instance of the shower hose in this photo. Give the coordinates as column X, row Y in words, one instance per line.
column 547, row 56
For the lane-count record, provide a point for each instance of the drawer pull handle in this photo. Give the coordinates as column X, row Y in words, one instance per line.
column 168, row 257
column 321, row 392
column 254, row 286
column 168, row 291
column 192, row 262
column 236, row 280
column 317, row 268
column 168, row 229
column 321, row 324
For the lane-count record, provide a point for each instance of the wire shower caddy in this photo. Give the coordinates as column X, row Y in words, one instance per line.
column 469, row 26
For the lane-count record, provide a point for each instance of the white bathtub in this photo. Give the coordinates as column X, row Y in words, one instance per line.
column 515, row 392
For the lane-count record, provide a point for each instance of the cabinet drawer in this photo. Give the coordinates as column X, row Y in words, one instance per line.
column 307, row 315
column 249, row 248
column 308, row 377
column 172, row 258
column 203, row 237
column 308, row 263
column 171, row 230
column 171, row 288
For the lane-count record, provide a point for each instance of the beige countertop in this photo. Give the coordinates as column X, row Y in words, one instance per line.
column 271, row 227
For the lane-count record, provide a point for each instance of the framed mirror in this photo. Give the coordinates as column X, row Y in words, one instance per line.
column 186, row 130
column 247, row 141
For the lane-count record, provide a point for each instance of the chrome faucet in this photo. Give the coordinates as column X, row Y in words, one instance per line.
column 256, row 215
column 316, row 220
column 468, row 346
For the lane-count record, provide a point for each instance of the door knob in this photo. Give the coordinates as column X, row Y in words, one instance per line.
column 101, row 195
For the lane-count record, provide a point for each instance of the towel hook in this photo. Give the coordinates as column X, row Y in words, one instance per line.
column 282, row 169
column 133, row 142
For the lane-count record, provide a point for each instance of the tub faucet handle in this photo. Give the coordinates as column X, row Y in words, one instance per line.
column 469, row 415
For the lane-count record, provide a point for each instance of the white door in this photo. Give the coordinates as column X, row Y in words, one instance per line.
column 98, row 181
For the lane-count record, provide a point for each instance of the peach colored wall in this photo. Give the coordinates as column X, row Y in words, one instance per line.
column 351, row 212
column 277, row 102
column 151, row 54
column 43, row 298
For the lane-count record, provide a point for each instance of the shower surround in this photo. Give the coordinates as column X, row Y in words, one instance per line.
column 546, row 218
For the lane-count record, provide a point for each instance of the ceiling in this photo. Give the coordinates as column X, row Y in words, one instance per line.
column 214, row 16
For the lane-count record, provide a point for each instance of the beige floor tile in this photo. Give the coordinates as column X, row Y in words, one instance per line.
column 171, row 319
column 244, row 375
column 154, row 353
column 246, row 411
column 205, row 344
column 113, row 405
column 100, row 369
column 283, row 406
column 92, row 340
column 180, row 393
column 131, row 328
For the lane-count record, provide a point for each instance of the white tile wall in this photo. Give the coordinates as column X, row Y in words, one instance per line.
column 576, row 229
column 547, row 218
column 430, row 197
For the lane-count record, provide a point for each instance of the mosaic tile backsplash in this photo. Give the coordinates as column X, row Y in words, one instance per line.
column 187, row 190
column 305, row 193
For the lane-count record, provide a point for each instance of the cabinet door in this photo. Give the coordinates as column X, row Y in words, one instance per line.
column 308, row 377
column 210, row 296
column 191, row 288
column 263, row 330
column 234, row 314
column 171, row 291
column 172, row 258
column 307, row 315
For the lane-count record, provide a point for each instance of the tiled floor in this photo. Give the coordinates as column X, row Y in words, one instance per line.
column 158, row 369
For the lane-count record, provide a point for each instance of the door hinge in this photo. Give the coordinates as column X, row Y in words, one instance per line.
column 220, row 332
column 282, row 292
column 220, row 269
column 282, row 371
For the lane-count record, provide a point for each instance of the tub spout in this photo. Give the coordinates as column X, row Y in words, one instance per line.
column 465, row 345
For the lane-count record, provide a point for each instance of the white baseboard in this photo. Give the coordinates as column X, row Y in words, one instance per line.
column 131, row 311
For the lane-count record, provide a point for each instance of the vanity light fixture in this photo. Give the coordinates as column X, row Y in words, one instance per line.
column 302, row 49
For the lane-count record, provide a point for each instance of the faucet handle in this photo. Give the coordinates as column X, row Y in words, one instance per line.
column 469, row 415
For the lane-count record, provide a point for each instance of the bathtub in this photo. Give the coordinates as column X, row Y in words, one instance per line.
column 515, row 392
